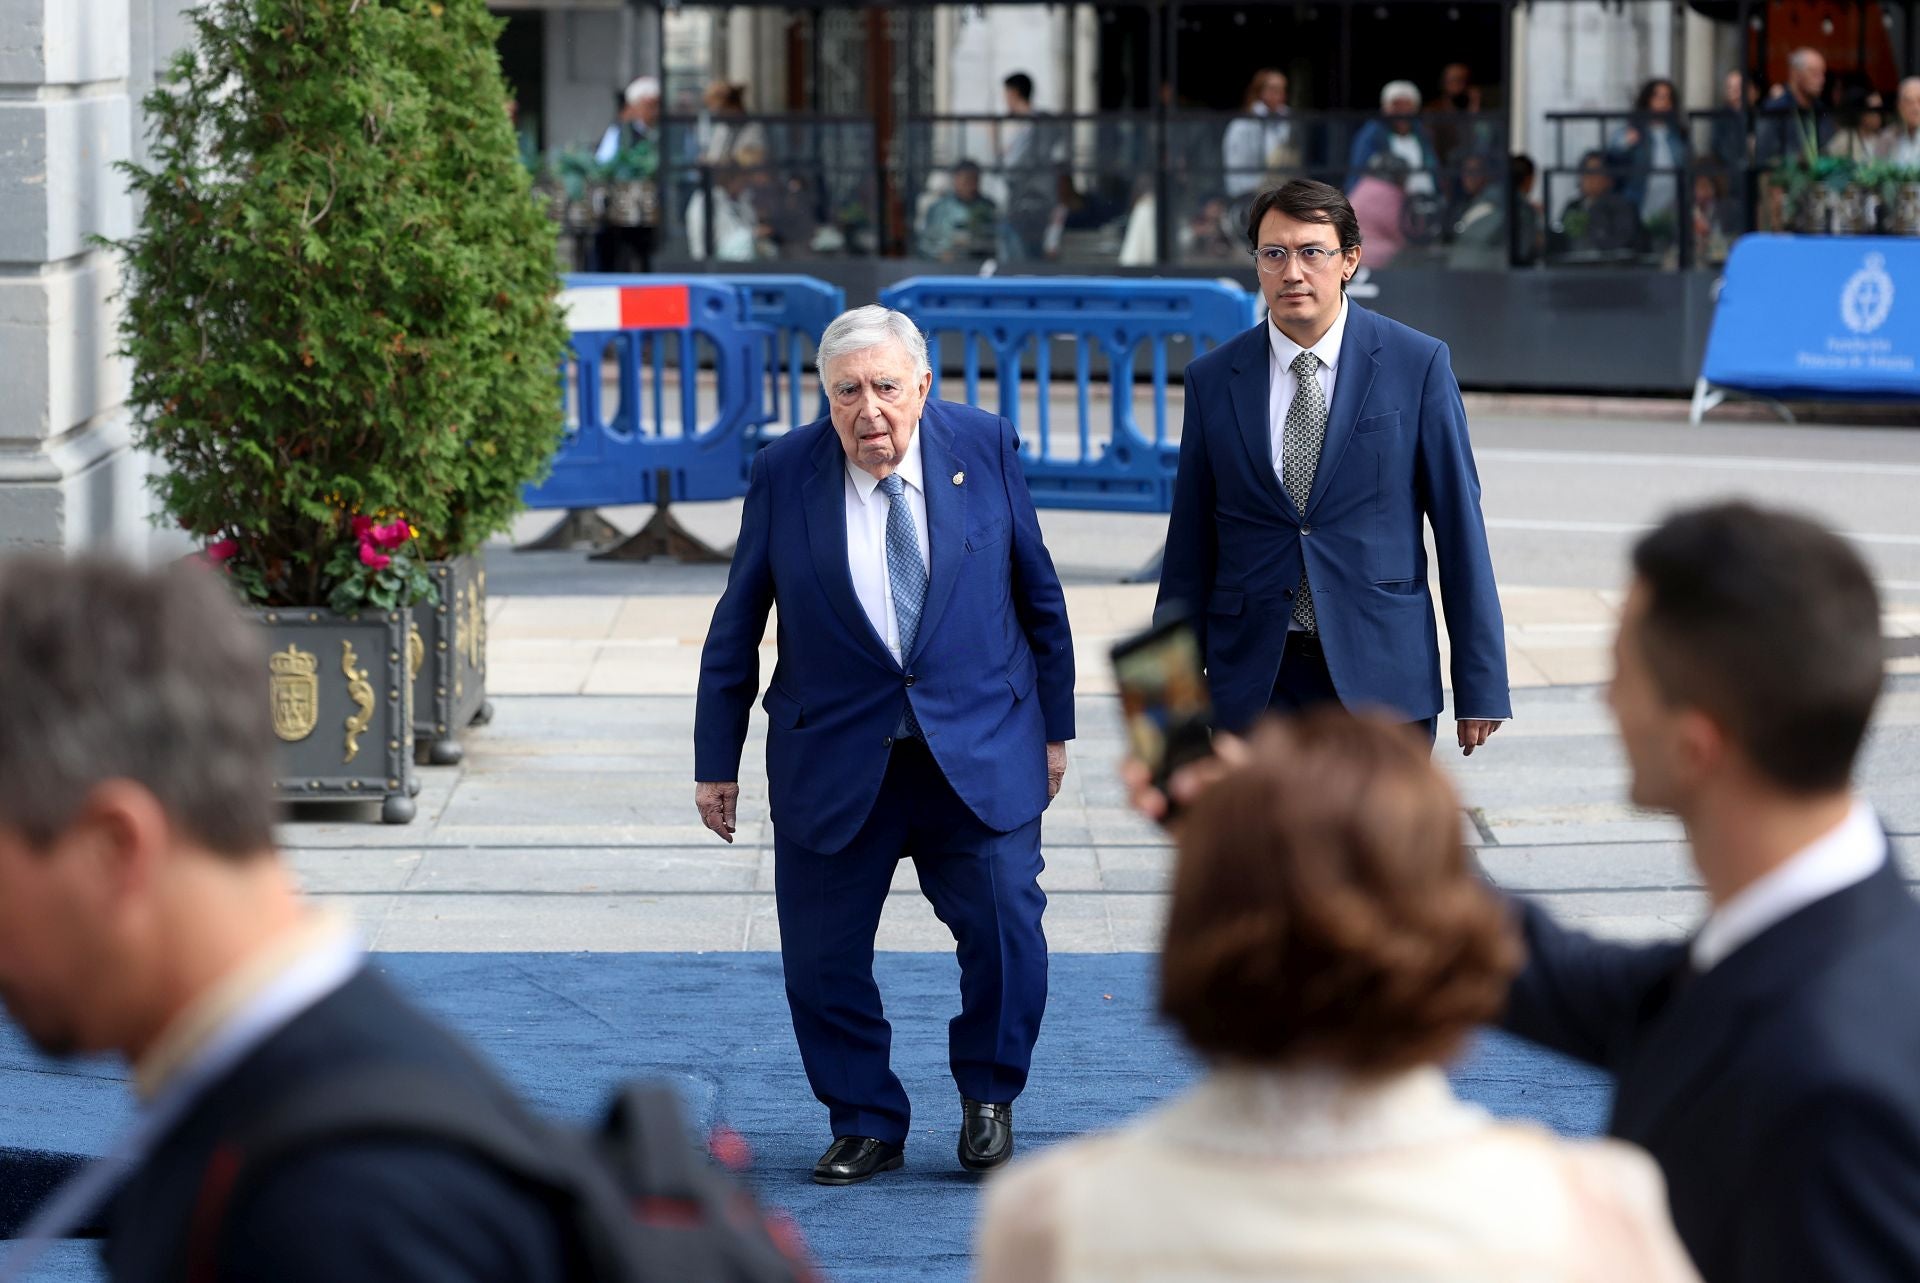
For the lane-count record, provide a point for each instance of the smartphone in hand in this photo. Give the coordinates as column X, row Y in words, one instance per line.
column 1164, row 698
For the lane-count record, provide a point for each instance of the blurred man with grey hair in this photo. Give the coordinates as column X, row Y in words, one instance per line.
column 919, row 708
column 145, row 912
column 1903, row 135
column 1795, row 118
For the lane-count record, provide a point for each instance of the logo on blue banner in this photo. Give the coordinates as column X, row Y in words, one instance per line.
column 1868, row 299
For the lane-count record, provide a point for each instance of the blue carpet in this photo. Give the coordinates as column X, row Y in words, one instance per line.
column 566, row 1028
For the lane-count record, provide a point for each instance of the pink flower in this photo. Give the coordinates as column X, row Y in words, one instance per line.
column 223, row 550
column 369, row 556
column 393, row 534
column 362, row 526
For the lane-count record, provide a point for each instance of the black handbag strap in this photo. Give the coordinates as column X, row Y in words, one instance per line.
column 417, row 1104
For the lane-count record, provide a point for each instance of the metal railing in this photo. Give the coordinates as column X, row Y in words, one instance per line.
column 1143, row 190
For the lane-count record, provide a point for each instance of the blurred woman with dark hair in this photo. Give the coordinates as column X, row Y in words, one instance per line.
column 1258, row 145
column 728, row 136
column 1861, row 136
column 1649, row 151
column 1328, row 949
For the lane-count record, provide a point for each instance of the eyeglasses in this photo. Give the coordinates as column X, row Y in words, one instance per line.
column 1273, row 258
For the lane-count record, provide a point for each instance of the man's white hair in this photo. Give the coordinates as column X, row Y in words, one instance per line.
column 866, row 327
column 641, row 88
column 1800, row 58
column 1395, row 89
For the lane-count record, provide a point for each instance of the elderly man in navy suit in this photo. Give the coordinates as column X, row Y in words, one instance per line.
column 920, row 707
column 1314, row 447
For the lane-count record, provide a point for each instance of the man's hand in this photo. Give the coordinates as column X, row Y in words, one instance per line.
column 1473, row 733
column 1056, row 768
column 716, row 804
column 1188, row 782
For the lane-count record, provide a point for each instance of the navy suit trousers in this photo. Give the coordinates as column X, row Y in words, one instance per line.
column 983, row 885
column 1304, row 682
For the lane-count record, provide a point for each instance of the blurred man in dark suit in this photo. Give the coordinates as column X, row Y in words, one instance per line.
column 1769, row 1062
column 144, row 912
column 1772, row 1062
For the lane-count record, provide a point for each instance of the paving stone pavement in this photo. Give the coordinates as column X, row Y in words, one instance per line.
column 570, row 826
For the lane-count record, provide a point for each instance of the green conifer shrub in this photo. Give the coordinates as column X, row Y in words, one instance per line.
column 340, row 300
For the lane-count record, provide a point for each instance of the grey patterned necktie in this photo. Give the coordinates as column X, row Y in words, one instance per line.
column 906, row 575
column 1306, row 432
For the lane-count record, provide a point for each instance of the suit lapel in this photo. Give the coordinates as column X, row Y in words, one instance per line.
column 1689, row 1039
column 1351, row 385
column 946, row 517
column 1249, row 387
column 825, row 496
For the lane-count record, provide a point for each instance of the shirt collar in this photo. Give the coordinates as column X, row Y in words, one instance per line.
column 1849, row 853
column 1327, row 349
column 908, row 469
column 190, row 1033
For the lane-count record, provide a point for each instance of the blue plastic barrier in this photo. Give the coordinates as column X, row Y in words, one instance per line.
column 655, row 324
column 1850, row 332
column 1130, row 470
column 797, row 309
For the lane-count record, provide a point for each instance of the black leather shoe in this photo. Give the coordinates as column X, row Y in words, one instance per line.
column 986, row 1135
column 852, row 1159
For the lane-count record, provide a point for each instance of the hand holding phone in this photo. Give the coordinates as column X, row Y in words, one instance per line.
column 1164, row 698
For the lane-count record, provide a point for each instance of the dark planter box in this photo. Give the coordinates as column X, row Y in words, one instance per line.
column 448, row 654
column 342, row 707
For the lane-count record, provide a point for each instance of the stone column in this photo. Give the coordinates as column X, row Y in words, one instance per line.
column 67, row 478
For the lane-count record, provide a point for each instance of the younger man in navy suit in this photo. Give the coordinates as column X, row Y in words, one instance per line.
column 1316, row 448
column 920, row 707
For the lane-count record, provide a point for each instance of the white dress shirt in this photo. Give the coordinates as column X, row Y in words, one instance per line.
column 1848, row 854
column 1282, row 385
column 867, row 507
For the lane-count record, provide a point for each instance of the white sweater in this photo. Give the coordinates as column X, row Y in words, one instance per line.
column 1311, row 1178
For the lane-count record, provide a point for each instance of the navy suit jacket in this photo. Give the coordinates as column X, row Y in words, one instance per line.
column 389, row 1209
column 990, row 675
column 1396, row 452
column 1780, row 1091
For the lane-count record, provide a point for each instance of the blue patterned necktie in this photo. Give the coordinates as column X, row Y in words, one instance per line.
column 906, row 575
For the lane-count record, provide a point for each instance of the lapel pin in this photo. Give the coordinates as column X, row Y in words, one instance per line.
column 959, row 477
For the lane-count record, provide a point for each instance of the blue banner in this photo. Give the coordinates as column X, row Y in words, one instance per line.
column 1819, row 317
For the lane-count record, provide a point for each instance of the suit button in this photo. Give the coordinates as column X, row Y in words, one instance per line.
column 1306, row 530
column 887, row 742
column 909, row 679
column 1287, row 593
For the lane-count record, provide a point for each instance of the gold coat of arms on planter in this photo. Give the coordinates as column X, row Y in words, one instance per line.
column 296, row 692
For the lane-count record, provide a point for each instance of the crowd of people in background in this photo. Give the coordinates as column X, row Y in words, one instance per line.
column 1432, row 178
column 1430, row 175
